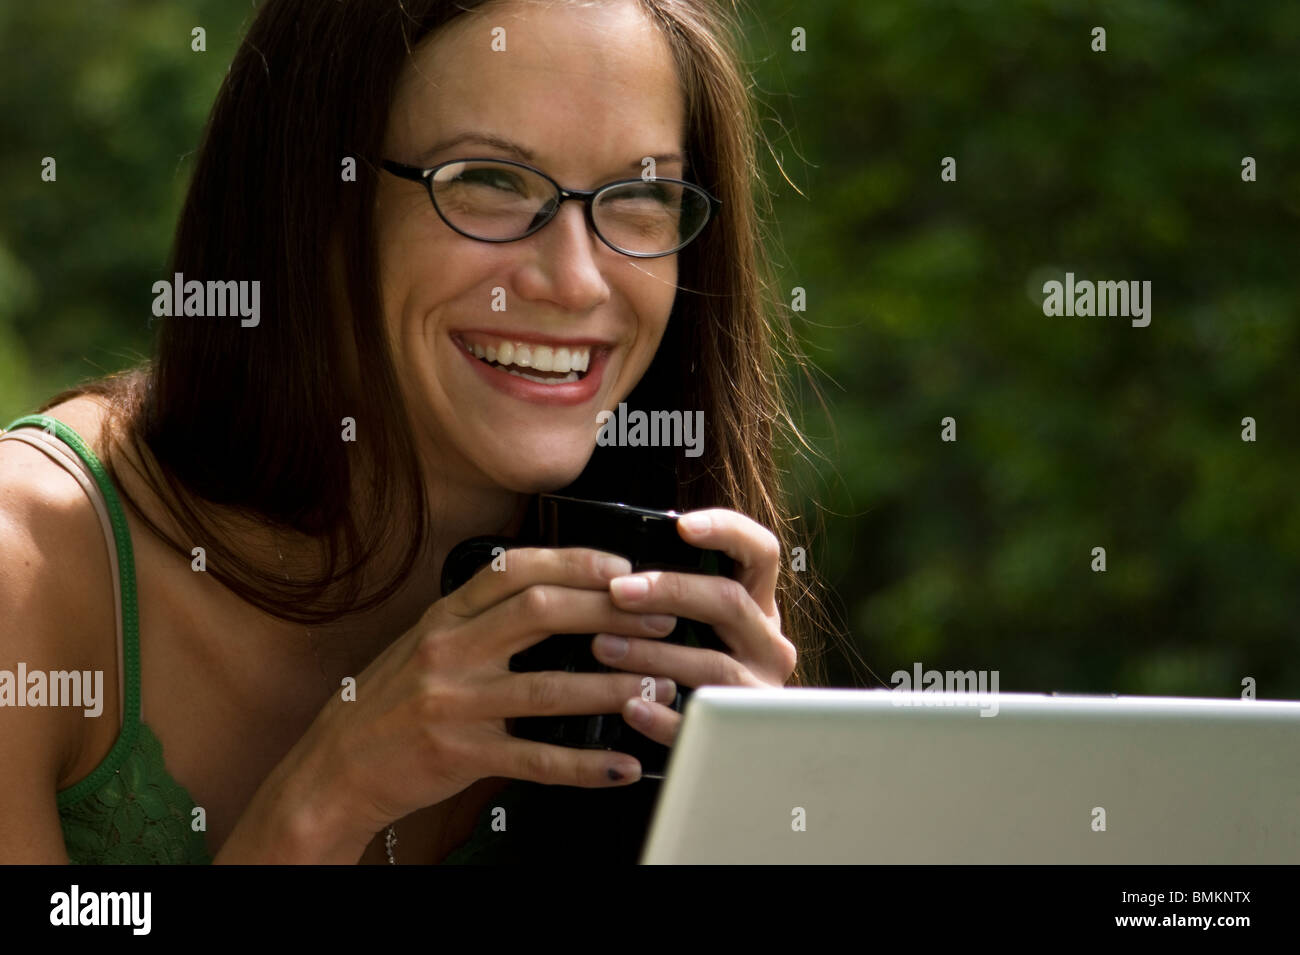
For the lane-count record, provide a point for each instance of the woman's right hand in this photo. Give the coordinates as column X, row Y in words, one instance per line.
column 429, row 718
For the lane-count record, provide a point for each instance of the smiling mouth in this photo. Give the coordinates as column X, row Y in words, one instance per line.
column 543, row 364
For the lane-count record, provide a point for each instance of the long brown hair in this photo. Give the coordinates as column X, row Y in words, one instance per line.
column 249, row 418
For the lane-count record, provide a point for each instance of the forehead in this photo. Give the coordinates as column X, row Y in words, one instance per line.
column 587, row 88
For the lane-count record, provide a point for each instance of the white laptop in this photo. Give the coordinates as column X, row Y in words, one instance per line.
column 882, row 776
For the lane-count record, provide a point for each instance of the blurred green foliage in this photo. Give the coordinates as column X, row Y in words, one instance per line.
column 923, row 301
column 111, row 90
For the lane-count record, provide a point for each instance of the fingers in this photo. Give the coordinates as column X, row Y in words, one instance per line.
column 722, row 603
column 687, row 666
column 555, row 693
column 754, row 548
column 561, row 765
column 545, row 609
column 512, row 571
column 660, row 723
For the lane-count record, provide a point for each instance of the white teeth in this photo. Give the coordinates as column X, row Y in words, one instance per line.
column 562, row 360
column 571, row 376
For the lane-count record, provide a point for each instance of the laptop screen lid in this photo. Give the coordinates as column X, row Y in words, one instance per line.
column 809, row 775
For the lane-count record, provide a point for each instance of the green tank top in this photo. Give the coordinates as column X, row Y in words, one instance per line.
column 129, row 809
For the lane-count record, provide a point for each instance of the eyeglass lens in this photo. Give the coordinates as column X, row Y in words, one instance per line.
column 501, row 202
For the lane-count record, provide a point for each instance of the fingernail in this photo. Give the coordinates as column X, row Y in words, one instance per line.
column 611, row 647
column 611, row 567
column 665, row 691
column 659, row 622
column 637, row 712
column 624, row 771
column 630, row 588
column 696, row 523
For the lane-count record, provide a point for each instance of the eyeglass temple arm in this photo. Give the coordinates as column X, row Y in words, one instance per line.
column 414, row 173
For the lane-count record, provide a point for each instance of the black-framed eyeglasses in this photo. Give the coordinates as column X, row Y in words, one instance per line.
column 500, row 200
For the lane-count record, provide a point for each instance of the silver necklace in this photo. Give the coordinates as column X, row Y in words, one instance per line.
column 390, row 834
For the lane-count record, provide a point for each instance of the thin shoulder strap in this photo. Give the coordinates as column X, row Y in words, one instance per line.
column 54, row 438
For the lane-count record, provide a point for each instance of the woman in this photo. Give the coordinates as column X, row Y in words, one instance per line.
column 295, row 481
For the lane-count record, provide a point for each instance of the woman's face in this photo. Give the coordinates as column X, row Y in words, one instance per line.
column 583, row 94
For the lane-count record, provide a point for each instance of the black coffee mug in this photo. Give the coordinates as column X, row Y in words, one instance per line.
column 649, row 540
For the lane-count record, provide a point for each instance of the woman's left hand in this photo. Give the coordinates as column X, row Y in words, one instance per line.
column 742, row 612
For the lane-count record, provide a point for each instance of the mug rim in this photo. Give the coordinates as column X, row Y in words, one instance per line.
column 644, row 512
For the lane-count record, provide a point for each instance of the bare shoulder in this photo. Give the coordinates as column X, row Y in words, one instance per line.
column 48, row 520
column 56, row 596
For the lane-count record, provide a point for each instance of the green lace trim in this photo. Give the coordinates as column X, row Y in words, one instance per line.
column 141, row 816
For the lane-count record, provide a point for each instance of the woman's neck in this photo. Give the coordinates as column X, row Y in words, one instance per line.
column 458, row 511
column 456, row 514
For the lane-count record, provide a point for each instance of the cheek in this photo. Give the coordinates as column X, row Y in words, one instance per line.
column 399, row 272
column 655, row 307
column 420, row 274
column 415, row 260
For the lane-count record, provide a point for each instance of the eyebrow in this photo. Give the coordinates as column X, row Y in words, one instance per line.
column 520, row 152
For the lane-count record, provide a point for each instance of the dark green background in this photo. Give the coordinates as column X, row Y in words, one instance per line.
column 923, row 301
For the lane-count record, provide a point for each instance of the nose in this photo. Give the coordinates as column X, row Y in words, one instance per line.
column 566, row 269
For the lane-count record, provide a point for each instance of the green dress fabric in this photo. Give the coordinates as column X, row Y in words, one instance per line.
column 130, row 810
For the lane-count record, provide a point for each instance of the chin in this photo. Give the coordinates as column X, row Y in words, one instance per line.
column 536, row 480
